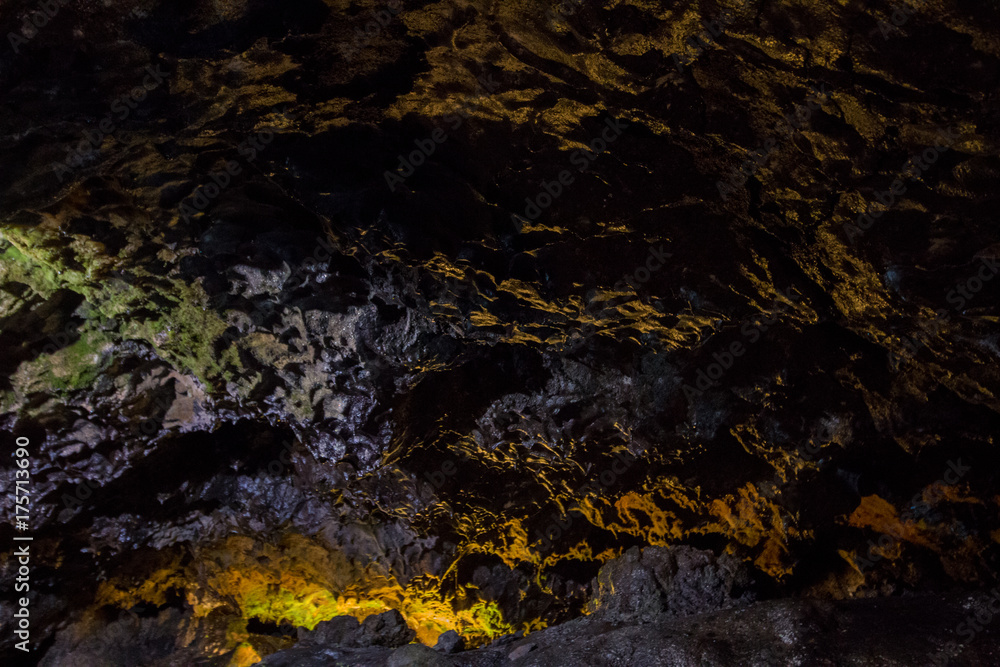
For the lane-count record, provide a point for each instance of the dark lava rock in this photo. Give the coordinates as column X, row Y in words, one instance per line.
column 646, row 584
column 418, row 655
column 449, row 642
column 342, row 630
column 889, row 632
column 898, row 632
column 441, row 309
column 385, row 629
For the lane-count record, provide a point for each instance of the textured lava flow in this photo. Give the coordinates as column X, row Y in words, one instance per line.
column 440, row 306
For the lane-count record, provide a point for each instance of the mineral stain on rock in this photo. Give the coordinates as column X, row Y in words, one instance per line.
column 540, row 334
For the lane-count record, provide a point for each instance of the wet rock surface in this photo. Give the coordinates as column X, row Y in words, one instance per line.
column 319, row 309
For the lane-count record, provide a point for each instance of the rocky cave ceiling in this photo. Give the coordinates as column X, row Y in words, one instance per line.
column 504, row 316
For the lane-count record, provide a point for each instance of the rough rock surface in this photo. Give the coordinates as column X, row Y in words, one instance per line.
column 279, row 361
column 911, row 630
column 645, row 585
column 449, row 642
